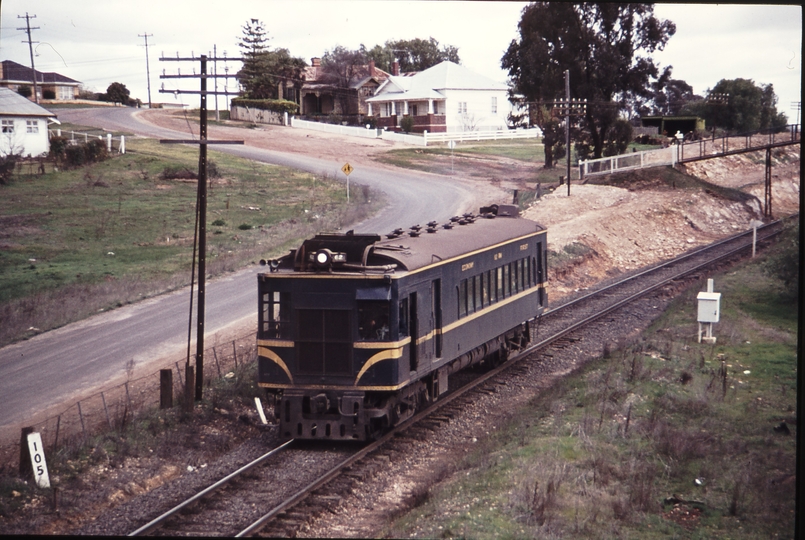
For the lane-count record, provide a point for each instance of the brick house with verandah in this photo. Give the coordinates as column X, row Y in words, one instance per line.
column 318, row 96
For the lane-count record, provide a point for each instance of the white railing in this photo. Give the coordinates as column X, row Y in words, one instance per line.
column 628, row 162
column 490, row 135
column 78, row 136
column 407, row 138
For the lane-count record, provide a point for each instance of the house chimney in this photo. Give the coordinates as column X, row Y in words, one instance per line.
column 315, row 62
column 371, row 68
column 395, row 68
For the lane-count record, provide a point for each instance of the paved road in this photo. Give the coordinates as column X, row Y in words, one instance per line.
column 50, row 371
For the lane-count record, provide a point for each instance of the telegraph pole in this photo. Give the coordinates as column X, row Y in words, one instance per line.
column 201, row 200
column 147, row 68
column 567, row 127
column 31, row 49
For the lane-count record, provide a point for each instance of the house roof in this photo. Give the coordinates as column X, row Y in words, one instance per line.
column 430, row 83
column 12, row 71
column 363, row 74
column 13, row 104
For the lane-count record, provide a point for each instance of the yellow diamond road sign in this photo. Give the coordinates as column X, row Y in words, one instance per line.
column 347, row 168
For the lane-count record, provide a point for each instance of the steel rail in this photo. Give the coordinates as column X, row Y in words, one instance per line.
column 519, row 356
column 667, row 264
column 214, row 487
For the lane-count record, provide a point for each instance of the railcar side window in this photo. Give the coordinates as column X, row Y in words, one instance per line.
column 403, row 327
column 500, row 283
column 476, row 285
column 373, row 320
column 462, row 298
column 276, row 314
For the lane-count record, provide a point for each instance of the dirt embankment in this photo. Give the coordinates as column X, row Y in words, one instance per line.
column 649, row 220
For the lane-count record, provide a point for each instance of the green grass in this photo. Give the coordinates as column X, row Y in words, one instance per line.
column 119, row 225
column 597, row 455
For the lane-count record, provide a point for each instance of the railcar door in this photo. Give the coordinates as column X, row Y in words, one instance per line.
column 413, row 325
column 436, row 315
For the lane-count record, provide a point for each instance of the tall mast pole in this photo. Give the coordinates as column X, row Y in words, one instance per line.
column 31, row 49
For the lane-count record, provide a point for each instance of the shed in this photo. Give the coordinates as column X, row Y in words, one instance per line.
column 669, row 125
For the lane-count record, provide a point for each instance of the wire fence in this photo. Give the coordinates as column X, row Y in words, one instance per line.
column 117, row 406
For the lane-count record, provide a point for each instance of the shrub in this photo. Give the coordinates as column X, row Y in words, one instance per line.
column 48, row 94
column 218, row 223
column 178, row 172
column 25, row 91
column 58, row 145
column 96, row 151
column 244, row 227
column 276, row 105
column 75, row 155
column 8, row 164
column 407, row 123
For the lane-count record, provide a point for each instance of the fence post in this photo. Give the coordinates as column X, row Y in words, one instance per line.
column 56, row 439
column 215, row 355
column 189, row 390
column 109, row 142
column 122, row 149
column 165, row 388
column 235, row 354
column 81, row 416
column 26, row 468
column 108, row 422
column 179, row 372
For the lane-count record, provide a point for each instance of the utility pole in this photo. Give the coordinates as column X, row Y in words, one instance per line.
column 201, row 210
column 567, row 127
column 31, row 49
column 147, row 68
column 215, row 78
column 569, row 108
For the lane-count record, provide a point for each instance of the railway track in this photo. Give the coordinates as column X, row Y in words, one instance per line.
column 324, row 473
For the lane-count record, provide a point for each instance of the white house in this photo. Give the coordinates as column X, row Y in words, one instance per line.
column 23, row 125
column 444, row 98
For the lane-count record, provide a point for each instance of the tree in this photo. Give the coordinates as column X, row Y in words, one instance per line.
column 341, row 67
column 413, row 54
column 602, row 46
column 264, row 70
column 742, row 106
column 117, row 93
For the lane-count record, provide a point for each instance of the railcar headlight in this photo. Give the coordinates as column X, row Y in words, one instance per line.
column 324, row 257
column 340, row 257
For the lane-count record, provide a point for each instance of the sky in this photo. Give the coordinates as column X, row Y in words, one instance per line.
column 98, row 42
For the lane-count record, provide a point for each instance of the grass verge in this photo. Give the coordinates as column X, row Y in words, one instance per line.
column 662, row 438
column 79, row 241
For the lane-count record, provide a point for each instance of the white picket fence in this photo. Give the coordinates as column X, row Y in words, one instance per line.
column 628, row 162
column 85, row 137
column 418, row 140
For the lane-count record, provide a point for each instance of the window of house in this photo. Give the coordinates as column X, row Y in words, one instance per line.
column 32, row 126
column 413, row 110
column 8, row 126
column 462, row 107
column 388, row 109
column 494, row 105
column 435, row 107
